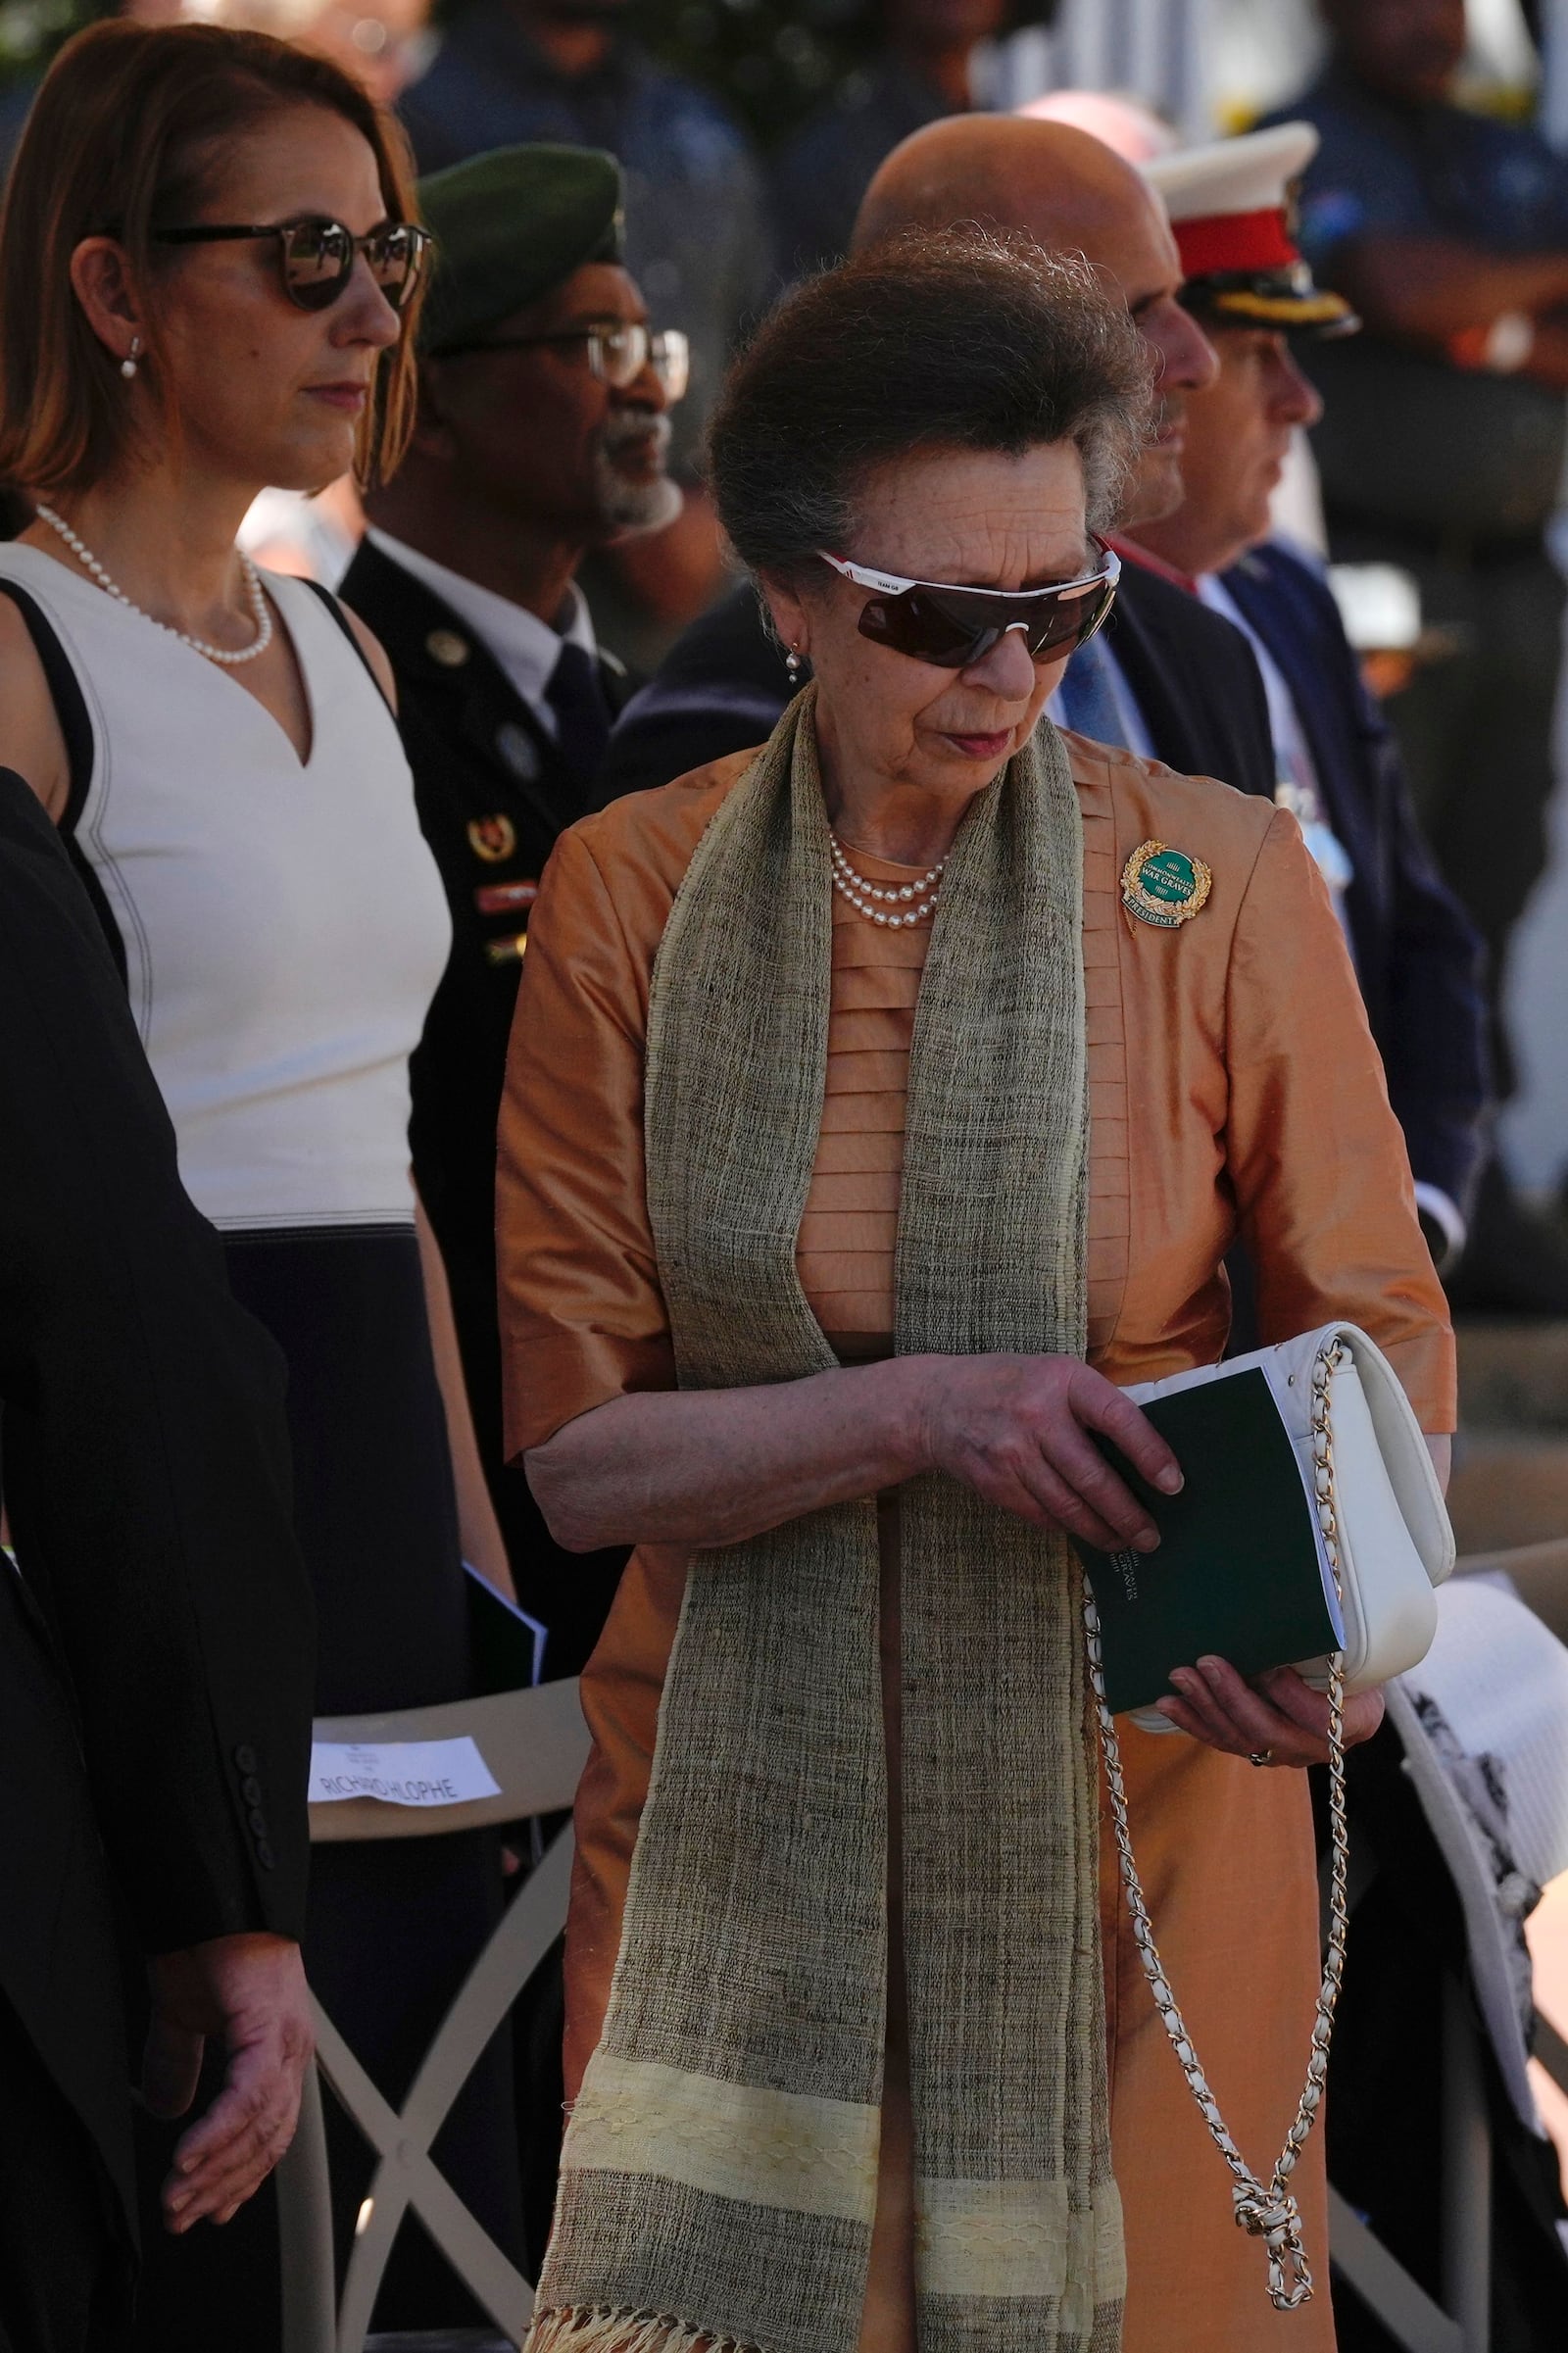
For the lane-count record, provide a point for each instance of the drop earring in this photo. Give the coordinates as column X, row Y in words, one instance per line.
column 792, row 662
column 127, row 366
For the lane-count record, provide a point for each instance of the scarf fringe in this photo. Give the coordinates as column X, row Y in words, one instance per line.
column 603, row 2328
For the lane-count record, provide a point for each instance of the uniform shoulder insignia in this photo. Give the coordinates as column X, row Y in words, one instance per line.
column 447, row 648
column 492, row 838
column 1164, row 887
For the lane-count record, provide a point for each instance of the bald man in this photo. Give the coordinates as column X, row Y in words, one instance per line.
column 1167, row 678
column 1071, row 194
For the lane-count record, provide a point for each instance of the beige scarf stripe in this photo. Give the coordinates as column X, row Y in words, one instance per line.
column 719, row 2172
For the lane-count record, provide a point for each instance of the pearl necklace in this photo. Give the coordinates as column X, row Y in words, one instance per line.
column 875, row 901
column 198, row 645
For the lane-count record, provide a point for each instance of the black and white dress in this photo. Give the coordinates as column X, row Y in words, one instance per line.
column 282, row 928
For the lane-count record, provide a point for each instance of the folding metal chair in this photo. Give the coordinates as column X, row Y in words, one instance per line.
column 1460, row 2321
column 535, row 1745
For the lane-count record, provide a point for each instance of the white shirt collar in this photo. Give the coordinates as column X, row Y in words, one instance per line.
column 524, row 646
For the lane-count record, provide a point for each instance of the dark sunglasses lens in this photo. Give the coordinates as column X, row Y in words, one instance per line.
column 317, row 257
column 918, row 623
column 394, row 259
column 1069, row 623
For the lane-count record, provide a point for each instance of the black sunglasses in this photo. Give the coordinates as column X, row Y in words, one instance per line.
column 951, row 627
column 315, row 258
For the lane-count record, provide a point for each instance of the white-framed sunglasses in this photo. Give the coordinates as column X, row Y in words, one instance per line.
column 951, row 627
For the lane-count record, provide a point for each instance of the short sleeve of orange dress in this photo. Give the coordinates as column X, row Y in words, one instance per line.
column 1233, row 1089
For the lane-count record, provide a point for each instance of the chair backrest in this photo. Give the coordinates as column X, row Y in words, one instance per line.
column 1458, row 2318
column 534, row 1743
column 1539, row 1573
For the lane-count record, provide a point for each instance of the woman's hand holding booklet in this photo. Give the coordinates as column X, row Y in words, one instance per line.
column 1276, row 1715
column 1223, row 1630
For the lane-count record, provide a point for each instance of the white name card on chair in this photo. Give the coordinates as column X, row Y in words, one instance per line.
column 421, row 1773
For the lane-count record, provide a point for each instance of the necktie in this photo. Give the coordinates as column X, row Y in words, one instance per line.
column 1088, row 699
column 582, row 716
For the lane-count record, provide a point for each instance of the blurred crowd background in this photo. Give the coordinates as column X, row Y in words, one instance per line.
column 779, row 110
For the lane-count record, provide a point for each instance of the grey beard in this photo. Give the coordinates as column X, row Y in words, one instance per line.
column 634, row 507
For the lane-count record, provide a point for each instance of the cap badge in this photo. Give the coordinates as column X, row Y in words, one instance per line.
column 492, row 838
column 1164, row 887
column 447, row 648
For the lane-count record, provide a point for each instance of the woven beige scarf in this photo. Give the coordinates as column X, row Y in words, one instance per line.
column 719, row 2172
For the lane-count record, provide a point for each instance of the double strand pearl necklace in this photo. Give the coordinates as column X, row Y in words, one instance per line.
column 198, row 645
column 876, row 901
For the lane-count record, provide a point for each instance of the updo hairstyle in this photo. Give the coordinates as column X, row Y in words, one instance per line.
column 957, row 339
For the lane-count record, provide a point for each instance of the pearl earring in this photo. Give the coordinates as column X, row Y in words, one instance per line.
column 792, row 662
column 127, row 366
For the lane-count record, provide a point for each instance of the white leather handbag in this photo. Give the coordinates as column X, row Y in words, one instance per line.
column 1386, row 1543
column 1395, row 1541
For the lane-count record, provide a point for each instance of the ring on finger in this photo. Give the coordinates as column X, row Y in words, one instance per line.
column 1260, row 1756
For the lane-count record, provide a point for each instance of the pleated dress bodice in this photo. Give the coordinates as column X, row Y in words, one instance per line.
column 845, row 1253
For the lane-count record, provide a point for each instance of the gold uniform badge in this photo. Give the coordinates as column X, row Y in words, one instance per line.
column 493, row 838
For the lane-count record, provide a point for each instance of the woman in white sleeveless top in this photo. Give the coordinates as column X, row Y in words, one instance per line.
column 218, row 748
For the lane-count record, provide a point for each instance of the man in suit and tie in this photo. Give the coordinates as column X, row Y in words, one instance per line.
column 1165, row 678
column 542, row 433
column 1337, row 765
column 156, row 1646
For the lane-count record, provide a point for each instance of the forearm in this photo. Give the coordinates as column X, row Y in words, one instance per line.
column 714, row 1467
column 1434, row 287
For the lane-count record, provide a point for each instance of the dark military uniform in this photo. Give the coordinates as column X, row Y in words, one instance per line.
column 493, row 791
column 1452, row 474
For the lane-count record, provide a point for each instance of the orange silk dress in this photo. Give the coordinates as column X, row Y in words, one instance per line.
column 1234, row 1088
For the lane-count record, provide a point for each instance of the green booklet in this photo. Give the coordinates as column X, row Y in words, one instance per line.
column 1240, row 1572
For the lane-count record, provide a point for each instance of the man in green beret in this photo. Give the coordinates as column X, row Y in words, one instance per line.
column 542, row 433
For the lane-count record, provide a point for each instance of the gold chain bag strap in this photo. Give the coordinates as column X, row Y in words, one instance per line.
column 1266, row 2210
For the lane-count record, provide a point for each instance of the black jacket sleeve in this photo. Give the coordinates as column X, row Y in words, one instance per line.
column 146, row 1463
column 721, row 688
column 1436, row 1050
column 1417, row 954
column 1197, row 683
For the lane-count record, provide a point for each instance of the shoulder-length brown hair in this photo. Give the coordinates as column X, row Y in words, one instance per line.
column 127, row 130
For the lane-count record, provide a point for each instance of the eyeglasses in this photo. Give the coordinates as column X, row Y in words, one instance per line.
column 951, row 627
column 315, row 258
column 618, row 352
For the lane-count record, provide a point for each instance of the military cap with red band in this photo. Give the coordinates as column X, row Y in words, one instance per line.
column 1232, row 207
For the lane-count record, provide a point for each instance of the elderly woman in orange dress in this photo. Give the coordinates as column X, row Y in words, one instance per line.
column 861, row 1134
